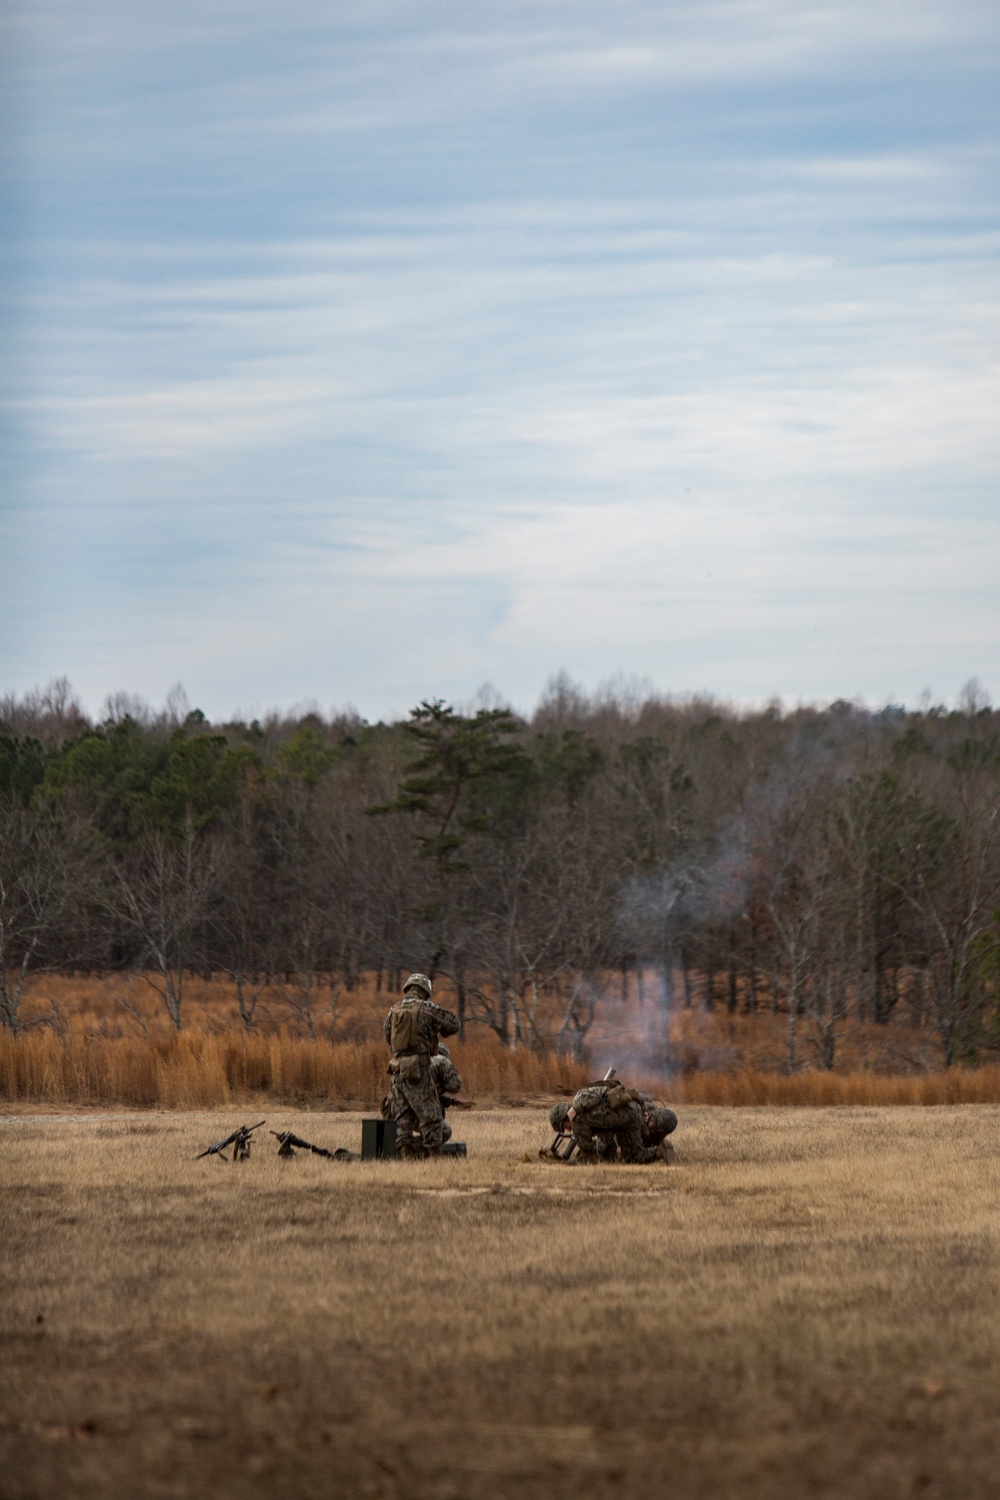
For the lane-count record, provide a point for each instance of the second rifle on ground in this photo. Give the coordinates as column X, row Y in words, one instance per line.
column 288, row 1144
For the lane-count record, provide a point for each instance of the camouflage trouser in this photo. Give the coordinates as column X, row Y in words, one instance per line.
column 418, row 1141
column 416, row 1107
column 602, row 1123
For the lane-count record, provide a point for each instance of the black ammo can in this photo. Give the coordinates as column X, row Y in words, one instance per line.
column 378, row 1139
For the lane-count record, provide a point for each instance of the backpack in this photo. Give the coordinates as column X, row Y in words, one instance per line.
column 404, row 1033
column 615, row 1092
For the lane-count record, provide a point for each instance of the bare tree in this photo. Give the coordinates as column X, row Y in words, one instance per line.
column 797, row 879
column 48, row 866
column 161, row 898
column 956, row 893
column 51, row 714
column 243, row 923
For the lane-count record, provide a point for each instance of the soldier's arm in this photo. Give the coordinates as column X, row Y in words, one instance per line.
column 451, row 1078
column 446, row 1021
column 387, row 1029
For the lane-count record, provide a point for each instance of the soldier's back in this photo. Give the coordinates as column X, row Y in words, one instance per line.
column 592, row 1097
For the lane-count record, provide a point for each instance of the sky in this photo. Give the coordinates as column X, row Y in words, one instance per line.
column 363, row 353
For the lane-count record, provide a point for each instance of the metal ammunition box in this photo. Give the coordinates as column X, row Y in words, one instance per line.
column 378, row 1142
column 378, row 1139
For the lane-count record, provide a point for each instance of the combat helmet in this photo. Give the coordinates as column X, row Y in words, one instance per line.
column 419, row 982
column 557, row 1116
column 663, row 1121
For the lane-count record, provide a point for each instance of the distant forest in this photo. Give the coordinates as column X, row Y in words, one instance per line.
column 833, row 864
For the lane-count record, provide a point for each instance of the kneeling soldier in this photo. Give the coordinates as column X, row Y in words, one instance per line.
column 447, row 1081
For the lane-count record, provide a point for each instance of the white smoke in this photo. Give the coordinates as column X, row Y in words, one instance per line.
column 661, row 913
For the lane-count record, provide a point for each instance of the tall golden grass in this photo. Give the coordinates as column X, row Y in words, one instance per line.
column 196, row 1070
column 627, row 1029
column 952, row 1086
column 108, row 1042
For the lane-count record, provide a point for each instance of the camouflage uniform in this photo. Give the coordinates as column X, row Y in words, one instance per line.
column 416, row 1102
column 447, row 1080
column 610, row 1115
column 657, row 1123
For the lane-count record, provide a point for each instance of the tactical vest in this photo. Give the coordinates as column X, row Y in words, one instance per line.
column 404, row 1028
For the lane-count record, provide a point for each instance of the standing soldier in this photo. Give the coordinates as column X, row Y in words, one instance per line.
column 412, row 1029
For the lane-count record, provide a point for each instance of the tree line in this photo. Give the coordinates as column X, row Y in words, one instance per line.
column 833, row 864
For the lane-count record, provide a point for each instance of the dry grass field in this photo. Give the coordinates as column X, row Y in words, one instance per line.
column 104, row 1042
column 806, row 1304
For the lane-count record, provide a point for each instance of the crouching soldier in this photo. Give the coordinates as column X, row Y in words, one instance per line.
column 412, row 1029
column 607, row 1121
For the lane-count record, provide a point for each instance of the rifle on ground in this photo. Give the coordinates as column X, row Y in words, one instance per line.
column 287, row 1144
column 239, row 1140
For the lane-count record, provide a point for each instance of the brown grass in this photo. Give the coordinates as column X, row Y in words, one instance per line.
column 805, row 1305
column 193, row 1070
column 953, row 1086
column 112, row 1045
column 125, row 1004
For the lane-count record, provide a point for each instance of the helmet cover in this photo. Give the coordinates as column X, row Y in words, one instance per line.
column 663, row 1120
